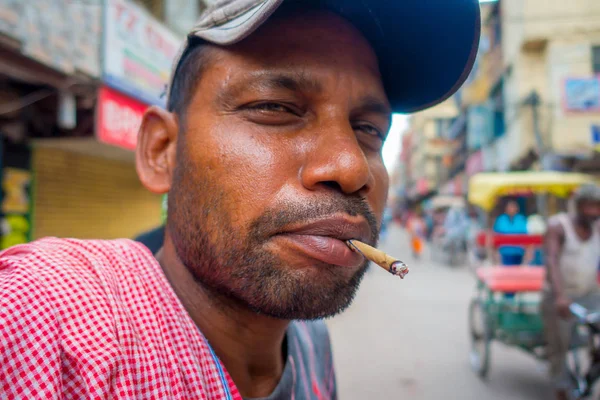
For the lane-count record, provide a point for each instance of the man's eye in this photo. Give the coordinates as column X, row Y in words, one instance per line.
column 272, row 107
column 370, row 130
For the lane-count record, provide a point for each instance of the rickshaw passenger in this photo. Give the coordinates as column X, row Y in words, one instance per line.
column 511, row 222
column 572, row 245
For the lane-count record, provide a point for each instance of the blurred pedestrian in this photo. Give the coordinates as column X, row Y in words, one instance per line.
column 573, row 255
column 429, row 224
column 386, row 221
column 417, row 232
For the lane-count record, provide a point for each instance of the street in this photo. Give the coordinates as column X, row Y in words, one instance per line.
column 408, row 339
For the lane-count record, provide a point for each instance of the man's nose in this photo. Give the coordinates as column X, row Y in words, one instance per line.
column 336, row 159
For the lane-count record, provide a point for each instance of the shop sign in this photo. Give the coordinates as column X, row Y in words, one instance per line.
column 596, row 137
column 479, row 126
column 581, row 94
column 15, row 194
column 16, row 204
column 62, row 34
column 138, row 52
column 118, row 118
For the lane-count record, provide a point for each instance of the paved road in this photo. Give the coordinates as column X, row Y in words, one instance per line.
column 408, row 340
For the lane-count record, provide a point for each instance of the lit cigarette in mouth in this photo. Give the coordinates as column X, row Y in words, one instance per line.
column 385, row 261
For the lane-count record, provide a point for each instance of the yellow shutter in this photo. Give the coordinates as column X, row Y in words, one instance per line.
column 76, row 195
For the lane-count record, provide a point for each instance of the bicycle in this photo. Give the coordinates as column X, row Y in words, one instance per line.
column 583, row 379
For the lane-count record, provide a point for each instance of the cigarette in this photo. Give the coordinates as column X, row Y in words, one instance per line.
column 385, row 261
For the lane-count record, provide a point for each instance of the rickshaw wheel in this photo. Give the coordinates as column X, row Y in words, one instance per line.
column 480, row 332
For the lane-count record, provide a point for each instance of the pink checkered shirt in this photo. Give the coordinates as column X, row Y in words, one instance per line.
column 98, row 320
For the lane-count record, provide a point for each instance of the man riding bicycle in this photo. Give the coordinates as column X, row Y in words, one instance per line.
column 573, row 255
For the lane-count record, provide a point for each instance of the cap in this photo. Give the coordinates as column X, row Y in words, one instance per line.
column 426, row 48
column 587, row 192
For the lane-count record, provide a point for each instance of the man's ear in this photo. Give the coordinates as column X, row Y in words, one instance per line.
column 156, row 149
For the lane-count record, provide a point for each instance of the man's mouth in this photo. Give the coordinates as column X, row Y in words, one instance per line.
column 325, row 239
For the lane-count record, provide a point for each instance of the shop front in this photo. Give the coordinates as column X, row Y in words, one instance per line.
column 94, row 191
column 48, row 64
column 79, row 85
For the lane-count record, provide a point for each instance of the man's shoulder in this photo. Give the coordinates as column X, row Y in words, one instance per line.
column 55, row 255
column 502, row 218
column 53, row 264
column 558, row 220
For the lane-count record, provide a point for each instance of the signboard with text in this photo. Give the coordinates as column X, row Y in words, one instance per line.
column 138, row 52
column 582, row 94
column 118, row 118
column 596, row 137
column 62, row 34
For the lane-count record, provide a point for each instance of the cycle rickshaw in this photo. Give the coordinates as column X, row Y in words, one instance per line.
column 505, row 307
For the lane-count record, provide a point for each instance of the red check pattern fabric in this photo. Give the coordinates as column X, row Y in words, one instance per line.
column 99, row 320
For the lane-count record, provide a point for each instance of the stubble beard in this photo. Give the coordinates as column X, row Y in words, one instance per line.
column 236, row 267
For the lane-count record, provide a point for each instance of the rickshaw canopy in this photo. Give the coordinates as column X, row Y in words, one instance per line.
column 486, row 187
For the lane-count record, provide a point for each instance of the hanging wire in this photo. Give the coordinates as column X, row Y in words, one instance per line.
column 25, row 101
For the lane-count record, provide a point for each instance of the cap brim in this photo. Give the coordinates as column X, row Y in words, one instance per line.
column 426, row 48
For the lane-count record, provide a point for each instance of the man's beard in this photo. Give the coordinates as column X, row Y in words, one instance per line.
column 235, row 265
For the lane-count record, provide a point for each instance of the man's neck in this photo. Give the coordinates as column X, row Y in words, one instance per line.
column 249, row 345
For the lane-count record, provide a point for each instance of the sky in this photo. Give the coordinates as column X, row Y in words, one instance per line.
column 391, row 148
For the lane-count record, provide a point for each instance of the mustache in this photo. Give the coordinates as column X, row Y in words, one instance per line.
column 285, row 213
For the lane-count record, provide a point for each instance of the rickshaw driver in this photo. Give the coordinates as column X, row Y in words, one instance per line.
column 572, row 245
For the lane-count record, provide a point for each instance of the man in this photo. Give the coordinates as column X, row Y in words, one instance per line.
column 417, row 232
column 270, row 151
column 573, row 256
column 456, row 227
column 512, row 222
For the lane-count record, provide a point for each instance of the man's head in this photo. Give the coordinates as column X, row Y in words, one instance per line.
column 271, row 154
column 282, row 131
column 512, row 208
column 587, row 202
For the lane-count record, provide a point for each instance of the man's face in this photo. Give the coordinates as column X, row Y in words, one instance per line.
column 512, row 208
column 278, row 162
column 589, row 211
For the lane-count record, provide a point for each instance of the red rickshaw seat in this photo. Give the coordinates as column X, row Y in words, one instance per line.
column 512, row 279
column 509, row 240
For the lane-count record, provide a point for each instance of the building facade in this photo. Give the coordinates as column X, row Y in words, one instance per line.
column 531, row 102
column 75, row 79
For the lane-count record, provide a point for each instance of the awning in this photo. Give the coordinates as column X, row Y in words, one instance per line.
column 486, row 188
